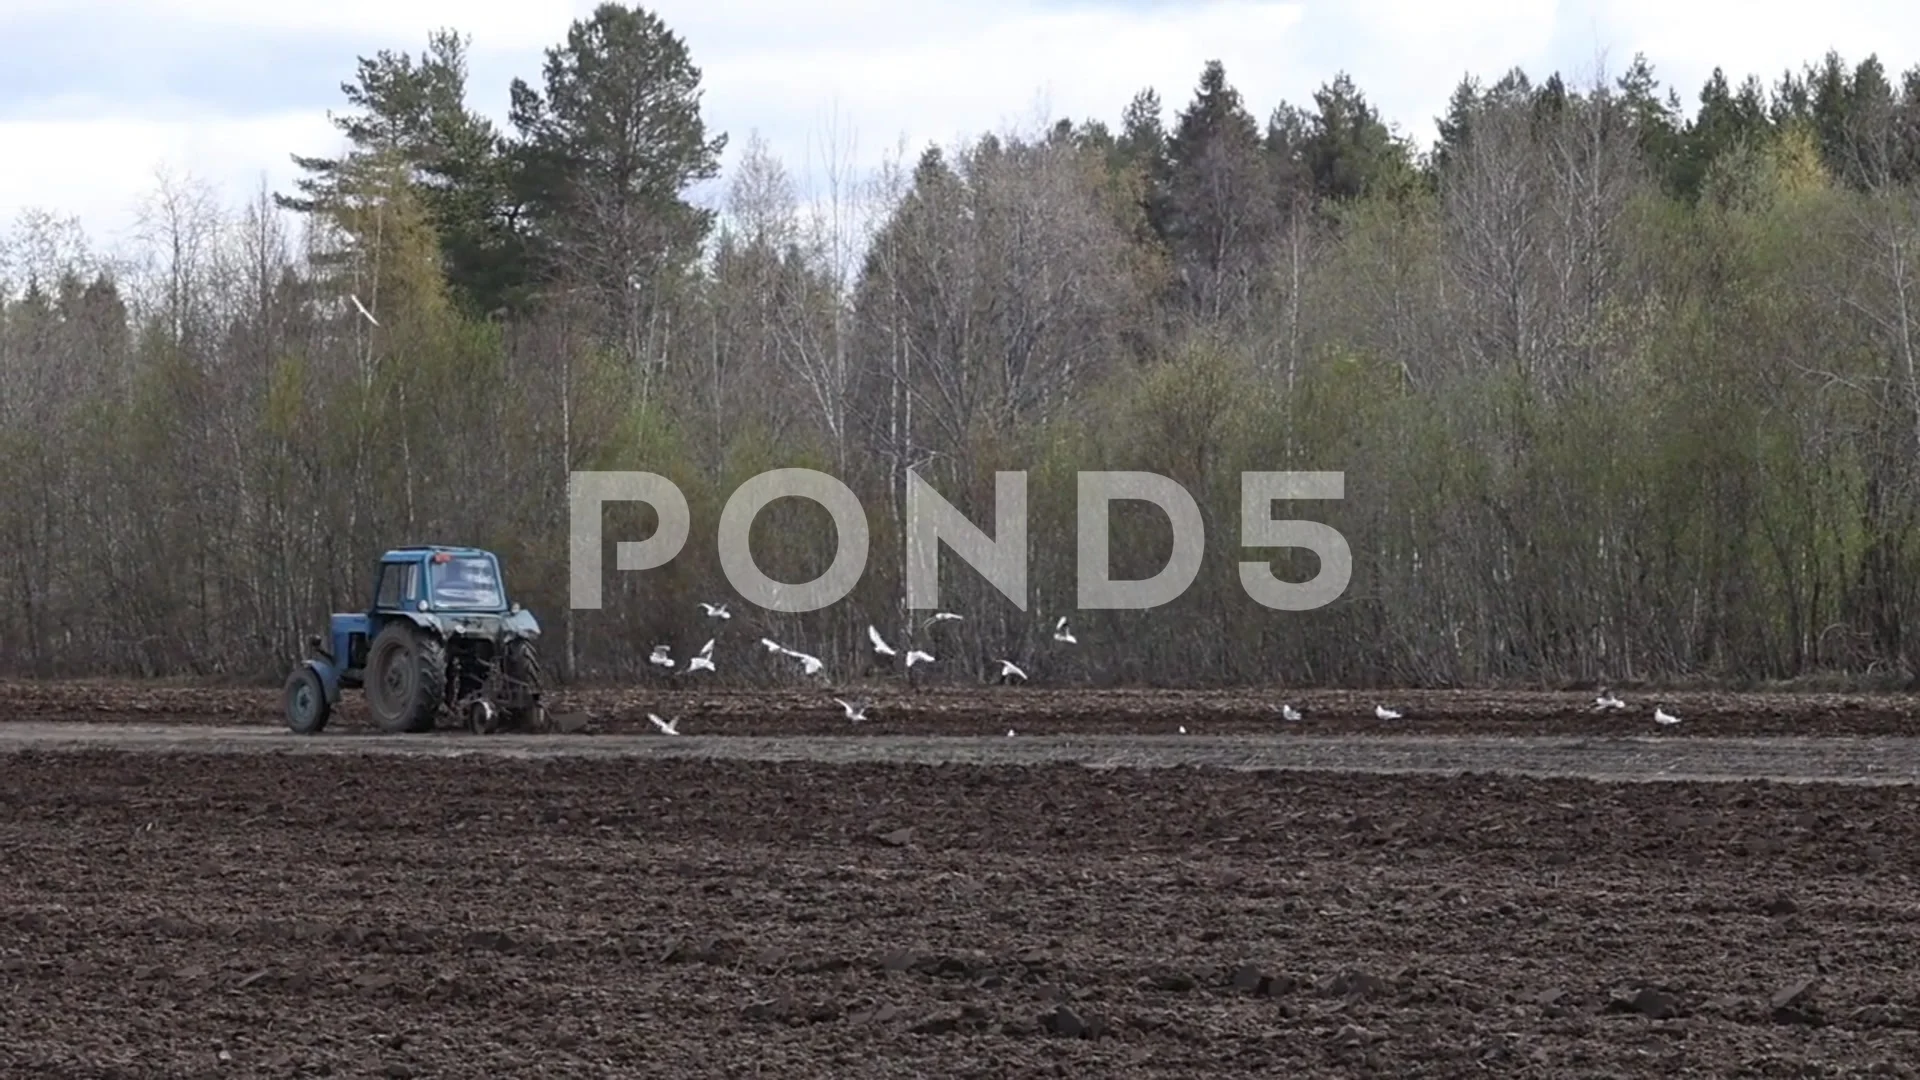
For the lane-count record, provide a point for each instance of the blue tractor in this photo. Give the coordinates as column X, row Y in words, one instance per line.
column 440, row 635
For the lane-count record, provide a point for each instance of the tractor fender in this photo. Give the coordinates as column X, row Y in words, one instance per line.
column 329, row 677
column 520, row 624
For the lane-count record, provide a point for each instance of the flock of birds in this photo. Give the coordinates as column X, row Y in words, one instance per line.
column 856, row 712
column 662, row 657
column 1605, row 702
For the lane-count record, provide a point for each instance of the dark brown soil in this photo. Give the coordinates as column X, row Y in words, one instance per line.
column 259, row 914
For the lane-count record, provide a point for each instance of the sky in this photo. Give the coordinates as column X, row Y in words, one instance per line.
column 99, row 98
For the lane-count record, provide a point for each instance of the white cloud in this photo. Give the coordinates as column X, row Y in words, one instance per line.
column 1686, row 41
column 495, row 24
column 928, row 71
column 99, row 170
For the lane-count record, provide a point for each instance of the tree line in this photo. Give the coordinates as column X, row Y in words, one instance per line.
column 1622, row 390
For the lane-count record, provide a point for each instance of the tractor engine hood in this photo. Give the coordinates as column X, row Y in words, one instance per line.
column 480, row 624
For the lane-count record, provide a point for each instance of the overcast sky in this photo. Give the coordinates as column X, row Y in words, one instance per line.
column 95, row 95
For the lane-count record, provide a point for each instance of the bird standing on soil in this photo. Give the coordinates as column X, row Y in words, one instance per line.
column 1384, row 713
column 665, row 727
column 1661, row 716
column 703, row 661
column 1288, row 712
column 1607, row 701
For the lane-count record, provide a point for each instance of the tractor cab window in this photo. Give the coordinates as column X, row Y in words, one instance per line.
column 396, row 584
column 466, row 583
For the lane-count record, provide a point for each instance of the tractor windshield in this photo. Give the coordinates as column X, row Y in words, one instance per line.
column 466, row 582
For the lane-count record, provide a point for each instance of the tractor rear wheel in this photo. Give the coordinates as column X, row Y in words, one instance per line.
column 406, row 679
column 306, row 701
column 520, row 664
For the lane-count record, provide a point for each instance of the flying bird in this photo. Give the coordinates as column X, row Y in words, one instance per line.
column 940, row 616
column 1661, row 716
column 917, row 657
column 715, row 611
column 854, row 714
column 1009, row 671
column 665, row 727
column 810, row 664
column 363, row 309
column 1061, row 633
column 660, row 657
column 704, row 661
column 879, row 644
column 1385, row 713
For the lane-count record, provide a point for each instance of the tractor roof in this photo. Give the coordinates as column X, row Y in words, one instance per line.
column 401, row 553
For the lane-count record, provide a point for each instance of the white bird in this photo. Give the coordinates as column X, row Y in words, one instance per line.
column 1061, row 633
column 939, row 616
column 879, row 644
column 1009, row 733
column 1385, row 713
column 704, row 661
column 363, row 309
column 854, row 714
column 808, row 664
column 715, row 611
column 916, row 657
column 1183, row 729
column 1009, row 671
column 1608, row 701
column 660, row 657
column 665, row 727
column 1661, row 716
column 1288, row 712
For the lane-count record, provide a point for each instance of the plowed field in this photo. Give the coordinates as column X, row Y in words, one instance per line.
column 639, row 905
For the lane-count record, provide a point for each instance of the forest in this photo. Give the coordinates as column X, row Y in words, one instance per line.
column 1625, row 388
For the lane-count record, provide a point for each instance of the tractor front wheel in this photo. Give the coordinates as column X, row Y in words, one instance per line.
column 406, row 679
column 306, row 702
column 520, row 664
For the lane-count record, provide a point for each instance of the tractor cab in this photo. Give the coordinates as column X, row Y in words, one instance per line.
column 439, row 580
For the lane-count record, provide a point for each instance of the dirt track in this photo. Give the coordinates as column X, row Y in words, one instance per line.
column 644, row 906
column 1609, row 758
column 948, row 710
